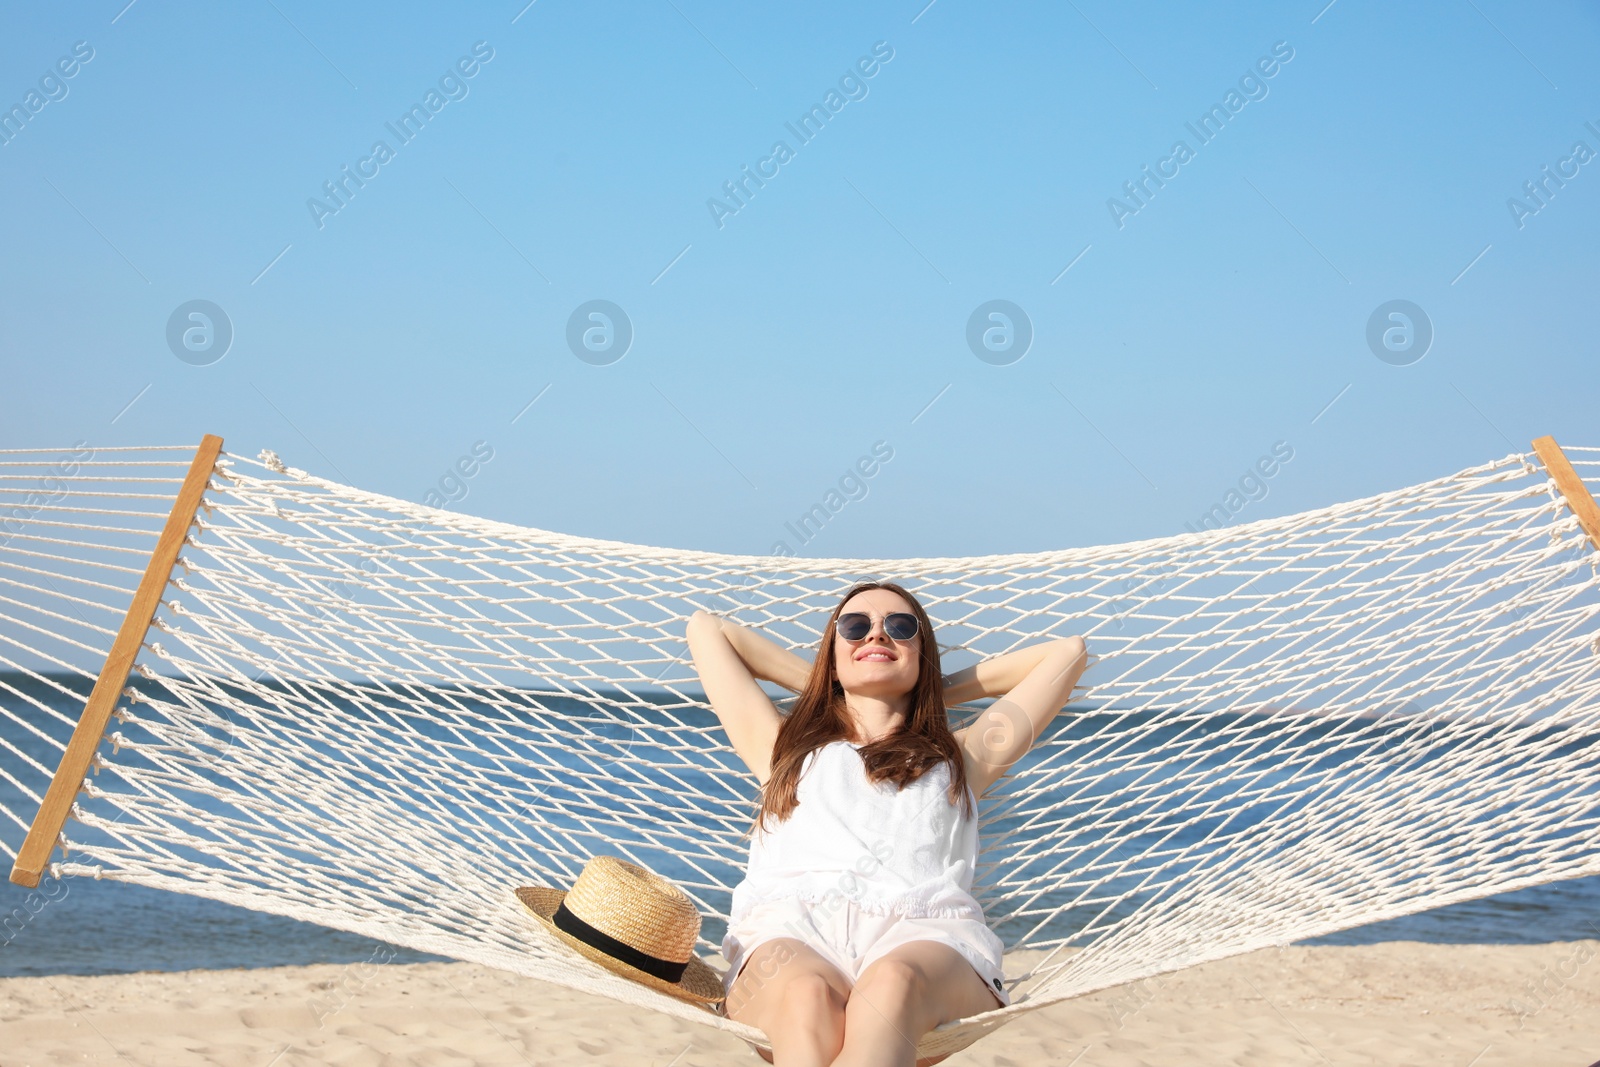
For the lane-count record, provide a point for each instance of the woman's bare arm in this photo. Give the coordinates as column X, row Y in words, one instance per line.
column 997, row 675
column 766, row 659
column 730, row 659
column 1033, row 684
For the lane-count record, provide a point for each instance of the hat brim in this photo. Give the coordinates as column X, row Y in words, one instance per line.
column 700, row 983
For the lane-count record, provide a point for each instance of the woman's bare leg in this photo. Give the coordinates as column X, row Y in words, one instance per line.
column 788, row 990
column 902, row 996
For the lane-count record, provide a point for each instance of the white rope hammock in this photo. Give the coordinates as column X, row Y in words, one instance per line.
column 381, row 717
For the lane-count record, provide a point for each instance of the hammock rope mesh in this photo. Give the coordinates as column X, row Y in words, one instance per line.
column 382, row 717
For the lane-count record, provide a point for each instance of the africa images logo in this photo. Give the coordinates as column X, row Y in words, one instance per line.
column 1399, row 332
column 999, row 332
column 599, row 332
column 199, row 332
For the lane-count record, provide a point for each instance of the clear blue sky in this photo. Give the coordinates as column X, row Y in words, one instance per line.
column 379, row 343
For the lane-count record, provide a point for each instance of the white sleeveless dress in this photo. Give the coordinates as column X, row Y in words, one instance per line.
column 859, row 868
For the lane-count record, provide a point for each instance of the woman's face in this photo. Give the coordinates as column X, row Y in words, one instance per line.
column 877, row 665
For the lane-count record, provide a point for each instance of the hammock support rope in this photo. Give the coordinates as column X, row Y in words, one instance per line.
column 349, row 709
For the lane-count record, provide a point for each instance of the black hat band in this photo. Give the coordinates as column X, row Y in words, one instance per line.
column 568, row 923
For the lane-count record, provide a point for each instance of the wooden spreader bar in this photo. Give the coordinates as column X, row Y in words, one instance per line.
column 58, row 799
column 1579, row 499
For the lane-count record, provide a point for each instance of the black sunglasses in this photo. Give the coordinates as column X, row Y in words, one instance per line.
column 855, row 625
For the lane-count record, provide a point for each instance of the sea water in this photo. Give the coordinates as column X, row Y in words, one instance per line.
column 84, row 926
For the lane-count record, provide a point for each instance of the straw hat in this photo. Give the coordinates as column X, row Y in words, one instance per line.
column 634, row 923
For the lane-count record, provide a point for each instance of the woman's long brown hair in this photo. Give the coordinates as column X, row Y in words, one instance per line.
column 820, row 716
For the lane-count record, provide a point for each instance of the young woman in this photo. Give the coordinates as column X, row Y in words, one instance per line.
column 855, row 931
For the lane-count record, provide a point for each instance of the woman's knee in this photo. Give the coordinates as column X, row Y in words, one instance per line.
column 811, row 1000
column 893, row 981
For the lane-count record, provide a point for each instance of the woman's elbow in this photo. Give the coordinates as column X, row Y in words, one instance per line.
column 702, row 622
column 1073, row 648
column 1068, row 657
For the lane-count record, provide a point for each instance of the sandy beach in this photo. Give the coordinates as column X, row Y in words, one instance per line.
column 1393, row 1003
